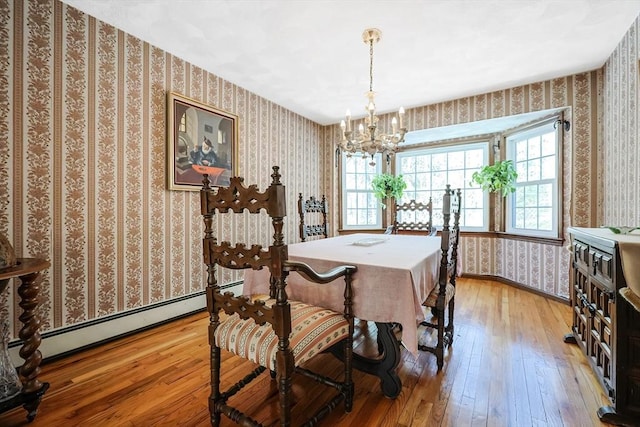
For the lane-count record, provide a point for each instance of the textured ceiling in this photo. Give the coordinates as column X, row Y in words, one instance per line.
column 309, row 57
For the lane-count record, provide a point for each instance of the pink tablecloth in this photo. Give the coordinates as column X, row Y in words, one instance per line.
column 394, row 277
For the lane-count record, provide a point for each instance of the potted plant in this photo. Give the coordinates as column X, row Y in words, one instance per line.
column 497, row 178
column 386, row 186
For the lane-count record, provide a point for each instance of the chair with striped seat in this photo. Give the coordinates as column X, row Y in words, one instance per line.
column 277, row 334
column 442, row 299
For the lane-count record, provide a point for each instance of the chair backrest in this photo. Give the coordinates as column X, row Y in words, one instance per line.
column 414, row 216
column 238, row 198
column 450, row 234
column 313, row 217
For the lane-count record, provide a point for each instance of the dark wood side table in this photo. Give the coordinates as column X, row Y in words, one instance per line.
column 27, row 271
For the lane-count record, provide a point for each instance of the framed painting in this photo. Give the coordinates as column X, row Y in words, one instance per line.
column 200, row 140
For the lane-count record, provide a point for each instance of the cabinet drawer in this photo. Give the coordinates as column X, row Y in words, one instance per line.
column 581, row 254
column 601, row 264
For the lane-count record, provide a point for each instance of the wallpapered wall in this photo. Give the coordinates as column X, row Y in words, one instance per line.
column 82, row 162
column 540, row 266
column 620, row 153
column 82, row 171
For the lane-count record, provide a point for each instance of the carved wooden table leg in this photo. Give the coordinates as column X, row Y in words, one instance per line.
column 28, row 270
column 33, row 389
column 384, row 367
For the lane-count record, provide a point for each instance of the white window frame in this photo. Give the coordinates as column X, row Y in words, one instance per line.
column 484, row 145
column 345, row 192
column 511, row 141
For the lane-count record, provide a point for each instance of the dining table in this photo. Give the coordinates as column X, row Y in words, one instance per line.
column 395, row 275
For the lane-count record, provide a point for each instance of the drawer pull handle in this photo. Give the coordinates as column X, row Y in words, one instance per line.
column 587, row 305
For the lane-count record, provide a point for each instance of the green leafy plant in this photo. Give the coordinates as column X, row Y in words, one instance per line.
column 386, row 186
column 497, row 178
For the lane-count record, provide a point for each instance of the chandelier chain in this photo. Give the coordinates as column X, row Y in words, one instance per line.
column 370, row 65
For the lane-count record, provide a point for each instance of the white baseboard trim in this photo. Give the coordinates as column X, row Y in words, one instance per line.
column 73, row 338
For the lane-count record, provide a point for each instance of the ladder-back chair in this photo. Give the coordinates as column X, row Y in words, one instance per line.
column 442, row 298
column 414, row 216
column 313, row 217
column 277, row 334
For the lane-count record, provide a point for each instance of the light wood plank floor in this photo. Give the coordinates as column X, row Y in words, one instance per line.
column 508, row 367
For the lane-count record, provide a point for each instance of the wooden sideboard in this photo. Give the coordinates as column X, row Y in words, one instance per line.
column 605, row 325
column 27, row 271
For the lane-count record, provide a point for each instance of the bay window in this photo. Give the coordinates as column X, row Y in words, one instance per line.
column 427, row 171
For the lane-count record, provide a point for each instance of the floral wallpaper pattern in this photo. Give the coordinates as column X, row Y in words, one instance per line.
column 82, row 162
column 620, row 149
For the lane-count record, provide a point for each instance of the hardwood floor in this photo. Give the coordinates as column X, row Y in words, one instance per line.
column 508, row 367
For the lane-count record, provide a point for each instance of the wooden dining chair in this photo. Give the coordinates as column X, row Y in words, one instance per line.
column 414, row 216
column 313, row 217
column 275, row 333
column 442, row 299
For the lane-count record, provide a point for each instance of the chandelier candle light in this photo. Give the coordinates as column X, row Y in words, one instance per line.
column 369, row 139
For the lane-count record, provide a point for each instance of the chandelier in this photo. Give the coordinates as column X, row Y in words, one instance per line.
column 369, row 139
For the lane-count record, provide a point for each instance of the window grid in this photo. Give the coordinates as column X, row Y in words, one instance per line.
column 360, row 207
column 427, row 172
column 533, row 208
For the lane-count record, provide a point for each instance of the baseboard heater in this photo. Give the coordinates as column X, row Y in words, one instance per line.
column 67, row 340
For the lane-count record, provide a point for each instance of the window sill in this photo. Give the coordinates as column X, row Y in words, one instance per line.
column 361, row 230
column 509, row 236
column 491, row 234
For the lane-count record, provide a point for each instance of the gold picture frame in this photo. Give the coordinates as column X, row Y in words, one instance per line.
column 200, row 139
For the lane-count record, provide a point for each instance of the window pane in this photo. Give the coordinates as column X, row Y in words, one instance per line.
column 456, row 179
column 439, row 162
column 521, row 151
column 423, row 163
column 422, row 196
column 533, row 147
column 548, row 166
column 473, row 199
column 372, row 202
column 531, row 195
column 362, row 216
column 545, row 194
column 350, row 180
column 521, row 168
column 531, row 218
column 351, row 217
column 423, row 180
column 474, row 158
column 533, row 170
column 467, row 178
column 548, row 144
column 439, row 181
column 407, row 164
column 473, row 217
column 545, row 219
column 456, row 160
column 519, row 217
column 519, row 200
